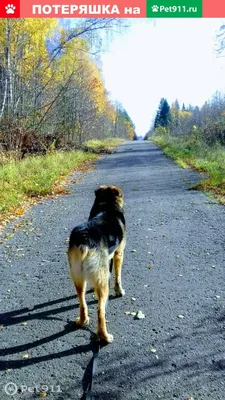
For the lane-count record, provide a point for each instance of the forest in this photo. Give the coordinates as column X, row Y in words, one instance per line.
column 56, row 115
column 52, row 93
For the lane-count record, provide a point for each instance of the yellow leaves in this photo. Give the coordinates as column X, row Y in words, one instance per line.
column 28, row 44
column 110, row 111
column 43, row 394
column 185, row 114
column 71, row 76
column 19, row 211
column 94, row 84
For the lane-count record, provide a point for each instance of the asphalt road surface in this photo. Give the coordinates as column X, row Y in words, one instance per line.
column 173, row 272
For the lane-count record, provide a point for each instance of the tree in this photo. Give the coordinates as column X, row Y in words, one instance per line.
column 51, row 84
column 123, row 123
column 163, row 114
column 177, row 105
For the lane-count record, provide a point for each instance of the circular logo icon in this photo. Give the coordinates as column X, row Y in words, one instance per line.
column 11, row 389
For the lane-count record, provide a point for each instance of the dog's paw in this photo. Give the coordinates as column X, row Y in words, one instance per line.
column 119, row 291
column 108, row 338
column 80, row 322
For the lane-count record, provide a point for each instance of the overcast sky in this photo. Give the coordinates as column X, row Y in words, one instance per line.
column 172, row 58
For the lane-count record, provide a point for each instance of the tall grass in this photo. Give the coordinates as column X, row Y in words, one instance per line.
column 103, row 145
column 190, row 151
column 36, row 176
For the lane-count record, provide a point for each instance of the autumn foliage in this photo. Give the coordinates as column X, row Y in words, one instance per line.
column 51, row 87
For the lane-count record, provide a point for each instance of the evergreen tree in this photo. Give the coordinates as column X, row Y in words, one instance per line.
column 156, row 123
column 177, row 105
column 163, row 114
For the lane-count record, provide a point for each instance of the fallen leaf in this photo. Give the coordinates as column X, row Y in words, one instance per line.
column 139, row 315
column 26, row 355
column 8, row 236
column 43, row 394
column 149, row 266
column 152, row 350
column 19, row 211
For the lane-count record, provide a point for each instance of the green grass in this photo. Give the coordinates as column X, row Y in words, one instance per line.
column 36, row 176
column 190, row 152
column 104, row 145
column 23, row 181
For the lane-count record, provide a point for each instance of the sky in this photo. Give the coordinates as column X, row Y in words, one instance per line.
column 171, row 58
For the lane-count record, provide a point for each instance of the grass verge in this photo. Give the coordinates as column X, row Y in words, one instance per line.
column 102, row 146
column 189, row 152
column 34, row 177
column 24, row 182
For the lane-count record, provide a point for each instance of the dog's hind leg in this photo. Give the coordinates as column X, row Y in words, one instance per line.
column 102, row 292
column 75, row 257
column 117, row 263
column 80, row 286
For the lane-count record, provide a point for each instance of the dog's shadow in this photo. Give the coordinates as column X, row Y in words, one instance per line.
column 27, row 314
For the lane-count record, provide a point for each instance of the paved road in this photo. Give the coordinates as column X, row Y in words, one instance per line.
column 179, row 232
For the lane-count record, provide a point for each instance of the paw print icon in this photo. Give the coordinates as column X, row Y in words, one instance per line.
column 10, row 9
column 155, row 8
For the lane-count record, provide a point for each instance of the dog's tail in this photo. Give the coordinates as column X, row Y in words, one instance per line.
column 79, row 252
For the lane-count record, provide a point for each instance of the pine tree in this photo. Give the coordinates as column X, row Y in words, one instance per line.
column 177, row 105
column 163, row 114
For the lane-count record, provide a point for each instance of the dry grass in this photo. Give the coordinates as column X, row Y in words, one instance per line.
column 191, row 153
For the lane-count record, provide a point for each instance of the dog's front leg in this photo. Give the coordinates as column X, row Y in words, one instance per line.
column 102, row 292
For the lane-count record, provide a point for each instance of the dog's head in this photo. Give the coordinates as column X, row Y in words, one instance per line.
column 109, row 194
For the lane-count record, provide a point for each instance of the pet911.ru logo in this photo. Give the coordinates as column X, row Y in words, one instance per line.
column 11, row 389
column 10, row 9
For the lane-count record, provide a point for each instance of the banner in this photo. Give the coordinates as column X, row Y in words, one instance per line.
column 112, row 9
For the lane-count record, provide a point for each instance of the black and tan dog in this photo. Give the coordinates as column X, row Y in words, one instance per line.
column 95, row 245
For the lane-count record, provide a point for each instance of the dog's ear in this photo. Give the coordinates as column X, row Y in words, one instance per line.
column 117, row 191
column 100, row 190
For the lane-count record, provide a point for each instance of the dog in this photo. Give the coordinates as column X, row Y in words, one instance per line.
column 94, row 248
